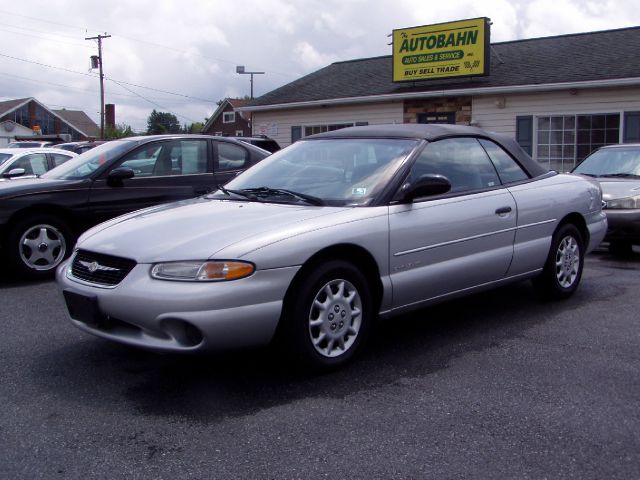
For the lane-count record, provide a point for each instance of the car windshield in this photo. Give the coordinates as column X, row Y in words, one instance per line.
column 612, row 162
column 4, row 157
column 322, row 172
column 85, row 164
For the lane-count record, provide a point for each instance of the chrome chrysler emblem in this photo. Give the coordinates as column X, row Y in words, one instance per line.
column 95, row 266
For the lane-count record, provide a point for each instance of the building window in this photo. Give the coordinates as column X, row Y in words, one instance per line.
column 228, row 117
column 239, row 133
column 563, row 141
column 297, row 131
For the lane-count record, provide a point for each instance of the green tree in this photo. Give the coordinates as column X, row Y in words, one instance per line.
column 193, row 127
column 162, row 122
column 121, row 130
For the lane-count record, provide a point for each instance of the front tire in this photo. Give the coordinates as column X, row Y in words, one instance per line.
column 37, row 245
column 328, row 315
column 563, row 269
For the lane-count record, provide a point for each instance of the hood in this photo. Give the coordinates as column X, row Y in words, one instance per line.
column 195, row 229
column 614, row 188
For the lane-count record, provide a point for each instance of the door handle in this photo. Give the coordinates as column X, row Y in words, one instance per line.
column 503, row 210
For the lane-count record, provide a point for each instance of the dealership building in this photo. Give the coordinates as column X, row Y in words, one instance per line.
column 561, row 97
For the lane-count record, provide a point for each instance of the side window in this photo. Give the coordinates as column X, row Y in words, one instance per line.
column 35, row 163
column 143, row 160
column 462, row 160
column 175, row 157
column 231, row 157
column 191, row 156
column 508, row 170
column 59, row 158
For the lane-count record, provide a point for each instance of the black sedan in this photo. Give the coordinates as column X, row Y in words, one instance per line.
column 41, row 217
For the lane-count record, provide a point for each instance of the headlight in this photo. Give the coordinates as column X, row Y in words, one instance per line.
column 624, row 203
column 209, row 271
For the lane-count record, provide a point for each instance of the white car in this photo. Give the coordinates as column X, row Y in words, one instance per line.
column 318, row 240
column 18, row 162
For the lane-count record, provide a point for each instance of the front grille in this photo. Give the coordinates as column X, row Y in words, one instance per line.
column 101, row 269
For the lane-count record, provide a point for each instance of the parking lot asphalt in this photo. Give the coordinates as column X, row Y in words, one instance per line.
column 498, row 385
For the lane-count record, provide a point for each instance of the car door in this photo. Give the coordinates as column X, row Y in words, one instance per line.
column 164, row 171
column 452, row 242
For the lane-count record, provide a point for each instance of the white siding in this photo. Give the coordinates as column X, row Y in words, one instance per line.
column 488, row 116
column 277, row 124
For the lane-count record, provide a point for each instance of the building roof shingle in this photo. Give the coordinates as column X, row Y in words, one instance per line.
column 80, row 120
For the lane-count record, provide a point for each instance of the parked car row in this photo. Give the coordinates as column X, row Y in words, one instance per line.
column 310, row 245
column 41, row 217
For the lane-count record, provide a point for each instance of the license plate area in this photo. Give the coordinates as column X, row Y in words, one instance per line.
column 83, row 309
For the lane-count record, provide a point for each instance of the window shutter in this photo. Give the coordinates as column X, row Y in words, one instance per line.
column 296, row 134
column 631, row 127
column 524, row 133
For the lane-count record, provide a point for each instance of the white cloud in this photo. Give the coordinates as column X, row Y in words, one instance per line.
column 310, row 57
column 193, row 48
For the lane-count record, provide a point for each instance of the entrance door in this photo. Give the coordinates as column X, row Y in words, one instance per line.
column 437, row 117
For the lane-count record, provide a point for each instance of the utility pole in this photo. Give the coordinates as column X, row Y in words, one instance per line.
column 99, row 38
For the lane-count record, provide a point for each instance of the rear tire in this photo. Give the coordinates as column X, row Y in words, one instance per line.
column 563, row 269
column 37, row 245
column 328, row 316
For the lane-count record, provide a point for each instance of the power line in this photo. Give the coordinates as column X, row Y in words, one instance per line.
column 69, row 87
column 287, row 75
column 48, row 66
column 108, row 78
column 150, row 101
column 40, row 36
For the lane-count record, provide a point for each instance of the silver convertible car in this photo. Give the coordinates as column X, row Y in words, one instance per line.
column 321, row 239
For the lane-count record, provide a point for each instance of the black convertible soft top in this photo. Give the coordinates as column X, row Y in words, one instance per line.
column 432, row 132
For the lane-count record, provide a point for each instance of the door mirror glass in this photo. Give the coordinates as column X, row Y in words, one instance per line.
column 426, row 186
column 117, row 175
column 14, row 172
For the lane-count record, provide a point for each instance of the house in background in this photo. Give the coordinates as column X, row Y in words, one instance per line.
column 29, row 116
column 227, row 121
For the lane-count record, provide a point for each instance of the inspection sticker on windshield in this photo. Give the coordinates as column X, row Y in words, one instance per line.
column 360, row 191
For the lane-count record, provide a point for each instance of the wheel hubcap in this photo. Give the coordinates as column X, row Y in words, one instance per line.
column 567, row 262
column 42, row 247
column 335, row 318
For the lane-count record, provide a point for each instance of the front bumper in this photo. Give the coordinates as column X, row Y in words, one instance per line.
column 623, row 225
column 179, row 316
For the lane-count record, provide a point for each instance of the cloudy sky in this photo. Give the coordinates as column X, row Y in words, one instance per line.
column 180, row 57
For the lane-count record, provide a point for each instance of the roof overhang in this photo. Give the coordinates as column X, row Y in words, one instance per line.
column 502, row 90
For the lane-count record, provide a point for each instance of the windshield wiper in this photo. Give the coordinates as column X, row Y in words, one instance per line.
column 620, row 175
column 268, row 191
column 239, row 193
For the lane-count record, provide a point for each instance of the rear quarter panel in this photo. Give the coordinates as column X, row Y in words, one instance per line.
column 542, row 205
